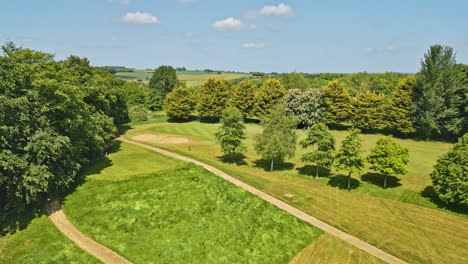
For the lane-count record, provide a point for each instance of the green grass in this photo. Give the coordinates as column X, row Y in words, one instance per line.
column 41, row 242
column 151, row 208
column 398, row 220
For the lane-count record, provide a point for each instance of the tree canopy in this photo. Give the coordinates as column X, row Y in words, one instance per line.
column 231, row 132
column 337, row 103
column 214, row 98
column 180, row 103
column 268, row 96
column 322, row 143
column 164, row 79
column 349, row 156
column 243, row 97
column 306, row 105
column 397, row 116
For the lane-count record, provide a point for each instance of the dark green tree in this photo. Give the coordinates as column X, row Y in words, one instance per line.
column 349, row 156
column 214, row 97
column 367, row 110
column 243, row 97
column 388, row 158
column 231, row 132
column 180, row 103
column 164, row 79
column 268, row 96
column 278, row 139
column 337, row 103
column 322, row 143
column 397, row 115
column 450, row 175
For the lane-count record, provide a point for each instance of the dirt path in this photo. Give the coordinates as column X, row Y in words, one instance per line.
column 56, row 215
column 282, row 205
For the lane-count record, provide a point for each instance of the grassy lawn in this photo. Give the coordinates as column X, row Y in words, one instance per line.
column 41, row 242
column 398, row 220
column 154, row 209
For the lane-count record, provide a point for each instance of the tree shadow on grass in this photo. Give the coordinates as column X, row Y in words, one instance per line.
column 311, row 170
column 341, row 181
column 378, row 179
column 227, row 158
column 181, row 121
column 277, row 165
column 430, row 194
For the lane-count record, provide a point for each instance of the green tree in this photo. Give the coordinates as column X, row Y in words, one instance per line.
column 214, row 96
column 337, row 103
column 349, row 156
column 243, row 97
column 388, row 158
column 306, row 105
column 138, row 113
column 231, row 132
column 278, row 139
column 323, row 143
column 437, row 97
column 450, row 175
column 397, row 111
column 294, row 81
column 367, row 109
column 268, row 96
column 180, row 103
column 164, row 79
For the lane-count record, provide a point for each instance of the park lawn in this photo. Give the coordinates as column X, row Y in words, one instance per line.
column 398, row 220
column 41, row 242
column 170, row 211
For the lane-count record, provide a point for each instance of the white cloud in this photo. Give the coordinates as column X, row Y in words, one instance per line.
column 253, row 45
column 232, row 24
column 279, row 10
column 186, row 1
column 124, row 2
column 140, row 18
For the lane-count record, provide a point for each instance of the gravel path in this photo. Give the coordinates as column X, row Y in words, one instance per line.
column 282, row 205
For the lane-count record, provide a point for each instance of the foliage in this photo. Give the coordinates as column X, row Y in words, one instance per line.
column 180, row 103
column 306, row 105
column 367, row 110
column 337, row 103
column 450, row 175
column 278, row 139
column 214, row 96
column 388, row 158
column 231, row 132
column 294, row 81
column 138, row 113
column 437, row 95
column 397, row 110
column 268, row 96
column 349, row 156
column 164, row 79
column 243, row 97
column 323, row 142
column 463, row 93
column 379, row 83
column 54, row 118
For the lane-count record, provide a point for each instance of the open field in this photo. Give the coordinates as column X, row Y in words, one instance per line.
column 151, row 208
column 41, row 242
column 398, row 219
column 191, row 78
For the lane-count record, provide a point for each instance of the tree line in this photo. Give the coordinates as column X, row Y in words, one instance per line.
column 55, row 116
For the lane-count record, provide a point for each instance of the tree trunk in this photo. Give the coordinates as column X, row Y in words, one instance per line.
column 316, row 172
column 349, row 181
column 385, row 182
column 271, row 167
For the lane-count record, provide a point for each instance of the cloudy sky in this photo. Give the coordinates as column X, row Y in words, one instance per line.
column 243, row 35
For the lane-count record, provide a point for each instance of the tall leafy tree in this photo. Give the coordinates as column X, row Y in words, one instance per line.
column 397, row 110
column 213, row 99
column 450, row 175
column 164, row 79
column 306, row 105
column 243, row 97
column 231, row 132
column 349, row 156
column 180, row 103
column 322, row 143
column 367, row 110
column 268, row 96
column 295, row 80
column 337, row 103
column 388, row 158
column 463, row 94
column 436, row 95
column 278, row 139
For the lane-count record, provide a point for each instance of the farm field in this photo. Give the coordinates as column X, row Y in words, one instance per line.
column 191, row 78
column 399, row 219
column 151, row 208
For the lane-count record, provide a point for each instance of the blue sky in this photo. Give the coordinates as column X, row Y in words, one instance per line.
column 243, row 35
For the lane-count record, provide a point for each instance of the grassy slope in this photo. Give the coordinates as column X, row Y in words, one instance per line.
column 152, row 208
column 41, row 242
column 397, row 225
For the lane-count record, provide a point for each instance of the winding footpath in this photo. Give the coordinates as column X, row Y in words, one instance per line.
column 282, row 205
